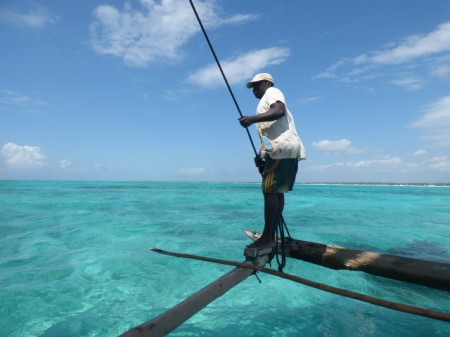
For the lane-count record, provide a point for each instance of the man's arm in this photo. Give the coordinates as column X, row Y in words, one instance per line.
column 276, row 111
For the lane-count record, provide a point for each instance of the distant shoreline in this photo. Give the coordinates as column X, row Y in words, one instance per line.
column 423, row 184
column 381, row 184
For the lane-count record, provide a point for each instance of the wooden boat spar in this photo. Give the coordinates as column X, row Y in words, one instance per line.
column 426, row 273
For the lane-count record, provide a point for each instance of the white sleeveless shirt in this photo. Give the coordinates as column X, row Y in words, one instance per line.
column 282, row 133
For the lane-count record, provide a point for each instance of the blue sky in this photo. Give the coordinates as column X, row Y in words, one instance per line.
column 128, row 90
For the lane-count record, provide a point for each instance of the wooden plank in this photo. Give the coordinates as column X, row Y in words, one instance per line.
column 171, row 319
column 427, row 273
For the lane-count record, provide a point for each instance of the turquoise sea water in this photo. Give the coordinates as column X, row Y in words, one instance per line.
column 75, row 259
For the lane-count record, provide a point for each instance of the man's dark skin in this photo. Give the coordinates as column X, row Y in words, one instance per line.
column 273, row 202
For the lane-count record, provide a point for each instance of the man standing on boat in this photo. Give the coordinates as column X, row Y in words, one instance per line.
column 281, row 149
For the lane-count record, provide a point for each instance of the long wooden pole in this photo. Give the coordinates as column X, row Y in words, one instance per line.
column 428, row 273
column 171, row 319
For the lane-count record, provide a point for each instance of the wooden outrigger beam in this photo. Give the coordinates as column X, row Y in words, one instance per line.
column 427, row 273
column 424, row 272
column 171, row 319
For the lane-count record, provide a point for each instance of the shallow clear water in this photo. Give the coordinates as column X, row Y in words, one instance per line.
column 75, row 259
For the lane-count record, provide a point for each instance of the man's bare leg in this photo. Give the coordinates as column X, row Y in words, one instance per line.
column 273, row 208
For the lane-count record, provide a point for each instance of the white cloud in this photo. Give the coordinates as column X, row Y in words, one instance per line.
column 410, row 83
column 419, row 47
column 311, row 99
column 192, row 171
column 37, row 17
column 422, row 168
column 420, row 153
column 386, row 161
column 376, row 164
column 23, row 156
column 13, row 98
column 441, row 71
column 435, row 122
column 336, row 146
column 65, row 164
column 330, row 72
column 241, row 68
column 90, row 168
column 155, row 32
column 415, row 46
column 440, row 163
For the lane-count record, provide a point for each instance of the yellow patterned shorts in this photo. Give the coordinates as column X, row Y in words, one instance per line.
column 279, row 175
